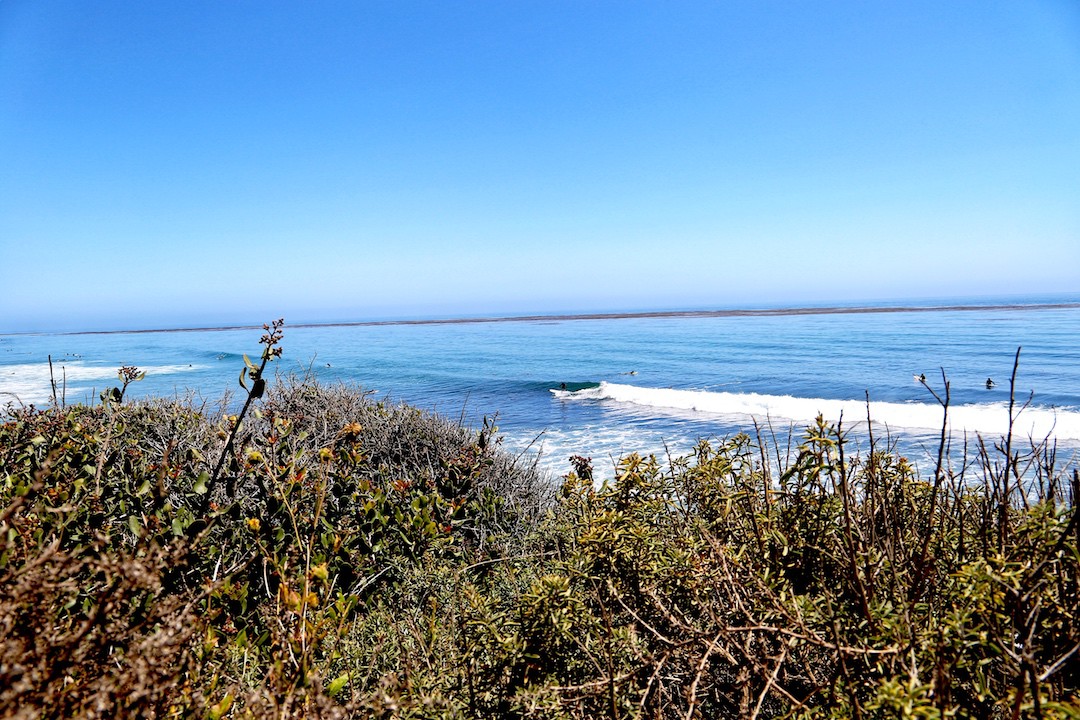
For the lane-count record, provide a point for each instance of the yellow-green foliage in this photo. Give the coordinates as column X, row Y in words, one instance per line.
column 329, row 556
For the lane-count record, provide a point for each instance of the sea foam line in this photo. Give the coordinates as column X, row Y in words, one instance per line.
column 30, row 382
column 983, row 418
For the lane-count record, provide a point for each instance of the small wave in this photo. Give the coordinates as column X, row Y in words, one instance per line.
column 220, row 356
column 30, row 382
column 569, row 388
column 983, row 418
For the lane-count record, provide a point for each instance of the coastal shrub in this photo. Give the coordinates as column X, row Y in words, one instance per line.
column 323, row 554
column 840, row 590
column 272, row 553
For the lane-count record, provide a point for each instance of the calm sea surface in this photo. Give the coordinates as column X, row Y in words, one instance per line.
column 647, row 384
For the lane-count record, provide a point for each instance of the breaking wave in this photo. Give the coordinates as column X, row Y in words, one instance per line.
column 981, row 418
column 29, row 383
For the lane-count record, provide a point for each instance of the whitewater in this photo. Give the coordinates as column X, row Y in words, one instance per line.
column 609, row 384
column 991, row 419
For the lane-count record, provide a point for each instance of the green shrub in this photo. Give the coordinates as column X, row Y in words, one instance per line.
column 321, row 554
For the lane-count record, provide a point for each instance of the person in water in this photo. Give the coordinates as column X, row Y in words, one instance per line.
column 989, row 383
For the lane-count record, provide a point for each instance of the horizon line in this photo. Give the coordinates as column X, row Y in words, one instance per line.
column 654, row 314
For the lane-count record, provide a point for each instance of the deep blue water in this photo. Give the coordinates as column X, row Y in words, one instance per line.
column 624, row 375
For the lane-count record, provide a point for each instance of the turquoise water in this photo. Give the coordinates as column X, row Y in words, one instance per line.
column 649, row 384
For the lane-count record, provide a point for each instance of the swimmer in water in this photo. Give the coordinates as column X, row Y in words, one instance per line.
column 989, row 383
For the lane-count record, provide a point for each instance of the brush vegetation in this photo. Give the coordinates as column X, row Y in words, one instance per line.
column 323, row 555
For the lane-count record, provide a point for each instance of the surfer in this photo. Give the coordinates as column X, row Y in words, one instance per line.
column 562, row 386
column 989, row 383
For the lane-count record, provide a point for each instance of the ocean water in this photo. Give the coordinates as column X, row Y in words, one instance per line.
column 634, row 384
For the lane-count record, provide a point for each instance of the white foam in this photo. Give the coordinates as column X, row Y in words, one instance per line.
column 605, row 444
column 29, row 383
column 987, row 419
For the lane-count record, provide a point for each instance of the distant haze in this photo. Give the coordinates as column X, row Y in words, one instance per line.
column 203, row 163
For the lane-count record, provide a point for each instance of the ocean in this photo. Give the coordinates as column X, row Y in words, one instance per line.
column 605, row 386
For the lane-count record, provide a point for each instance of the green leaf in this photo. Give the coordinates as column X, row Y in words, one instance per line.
column 337, row 684
column 218, row 710
column 133, row 523
column 200, row 483
column 243, row 372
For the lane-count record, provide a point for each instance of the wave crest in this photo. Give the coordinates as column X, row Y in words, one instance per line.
column 30, row 382
column 982, row 418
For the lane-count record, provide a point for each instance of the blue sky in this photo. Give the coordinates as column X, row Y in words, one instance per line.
column 194, row 163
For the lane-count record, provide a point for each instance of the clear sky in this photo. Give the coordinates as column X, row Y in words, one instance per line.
column 201, row 162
